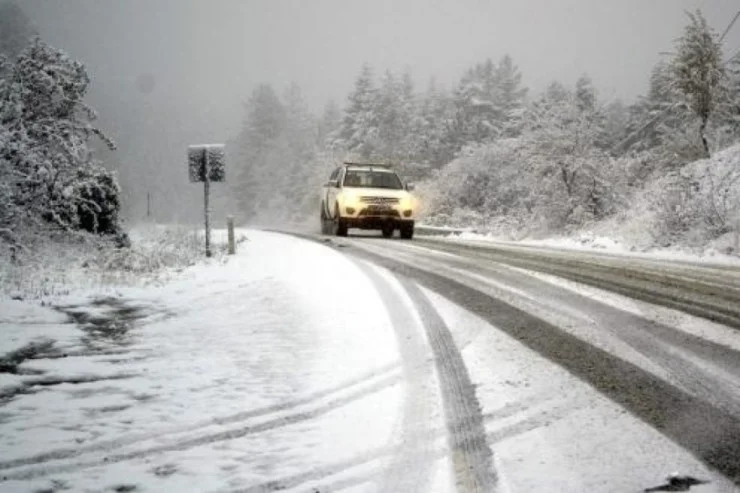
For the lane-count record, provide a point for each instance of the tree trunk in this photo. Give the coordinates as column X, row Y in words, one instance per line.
column 702, row 130
column 568, row 179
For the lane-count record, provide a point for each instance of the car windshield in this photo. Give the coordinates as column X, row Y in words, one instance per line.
column 372, row 179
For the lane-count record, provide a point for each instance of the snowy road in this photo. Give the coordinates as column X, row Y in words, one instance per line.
column 364, row 365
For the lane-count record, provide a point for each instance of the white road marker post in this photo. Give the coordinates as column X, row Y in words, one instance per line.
column 206, row 163
column 230, row 228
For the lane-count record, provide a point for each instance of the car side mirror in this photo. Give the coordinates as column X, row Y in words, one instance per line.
column 410, row 187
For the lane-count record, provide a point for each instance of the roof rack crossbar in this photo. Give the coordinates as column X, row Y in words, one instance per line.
column 379, row 165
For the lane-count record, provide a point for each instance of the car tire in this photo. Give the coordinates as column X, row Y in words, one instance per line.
column 407, row 231
column 387, row 232
column 340, row 226
column 324, row 221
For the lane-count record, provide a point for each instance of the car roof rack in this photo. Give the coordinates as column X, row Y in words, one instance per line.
column 376, row 165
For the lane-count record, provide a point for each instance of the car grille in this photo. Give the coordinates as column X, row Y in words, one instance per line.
column 379, row 200
column 381, row 213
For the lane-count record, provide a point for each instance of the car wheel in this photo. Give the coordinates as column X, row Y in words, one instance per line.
column 407, row 232
column 387, row 231
column 324, row 221
column 340, row 227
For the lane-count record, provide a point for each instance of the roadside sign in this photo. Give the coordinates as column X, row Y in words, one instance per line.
column 211, row 157
column 207, row 163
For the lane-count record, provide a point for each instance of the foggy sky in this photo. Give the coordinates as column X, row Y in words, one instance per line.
column 207, row 55
column 213, row 51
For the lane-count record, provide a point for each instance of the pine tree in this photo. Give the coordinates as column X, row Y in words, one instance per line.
column 263, row 127
column 585, row 94
column 294, row 166
column 359, row 125
column 509, row 96
column 388, row 111
column 432, row 127
column 697, row 71
column 477, row 116
column 328, row 123
column 555, row 92
column 614, row 127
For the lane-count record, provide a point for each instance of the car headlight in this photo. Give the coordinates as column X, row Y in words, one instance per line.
column 349, row 200
column 406, row 203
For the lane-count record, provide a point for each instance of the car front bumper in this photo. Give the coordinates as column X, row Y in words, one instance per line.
column 377, row 221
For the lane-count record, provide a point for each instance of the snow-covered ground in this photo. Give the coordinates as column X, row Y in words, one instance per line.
column 292, row 367
column 279, row 362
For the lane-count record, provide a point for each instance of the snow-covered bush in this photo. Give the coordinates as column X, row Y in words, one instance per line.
column 60, row 262
column 699, row 203
column 153, row 249
column 96, row 201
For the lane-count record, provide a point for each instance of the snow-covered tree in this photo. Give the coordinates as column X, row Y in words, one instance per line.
column 585, row 94
column 299, row 145
column 431, row 128
column 328, row 123
column 359, row 126
column 697, row 71
column 477, row 116
column 389, row 114
column 563, row 140
column 263, row 126
column 509, row 96
column 614, row 125
column 45, row 145
column 284, row 158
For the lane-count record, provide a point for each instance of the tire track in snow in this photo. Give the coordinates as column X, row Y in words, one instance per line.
column 319, row 479
column 710, row 433
column 411, row 469
column 679, row 353
column 43, row 468
column 471, row 457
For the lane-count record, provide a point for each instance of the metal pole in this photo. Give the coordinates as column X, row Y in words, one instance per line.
column 148, row 204
column 230, row 227
column 206, row 199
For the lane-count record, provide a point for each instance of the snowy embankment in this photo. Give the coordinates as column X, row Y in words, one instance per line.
column 692, row 214
column 588, row 242
column 237, row 371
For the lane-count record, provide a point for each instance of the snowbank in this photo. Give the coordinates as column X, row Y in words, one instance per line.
column 589, row 242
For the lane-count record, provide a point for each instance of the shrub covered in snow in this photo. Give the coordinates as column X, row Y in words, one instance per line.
column 698, row 203
column 61, row 262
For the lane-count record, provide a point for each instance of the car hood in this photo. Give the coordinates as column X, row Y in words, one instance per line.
column 377, row 192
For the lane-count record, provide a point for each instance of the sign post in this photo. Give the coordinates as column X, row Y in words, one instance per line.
column 206, row 163
column 230, row 232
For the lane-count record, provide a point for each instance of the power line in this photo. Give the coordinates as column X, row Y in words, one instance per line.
column 732, row 23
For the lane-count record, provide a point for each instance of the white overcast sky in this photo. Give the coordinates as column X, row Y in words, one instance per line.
column 209, row 54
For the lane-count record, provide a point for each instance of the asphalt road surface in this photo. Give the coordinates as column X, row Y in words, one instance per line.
column 573, row 309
